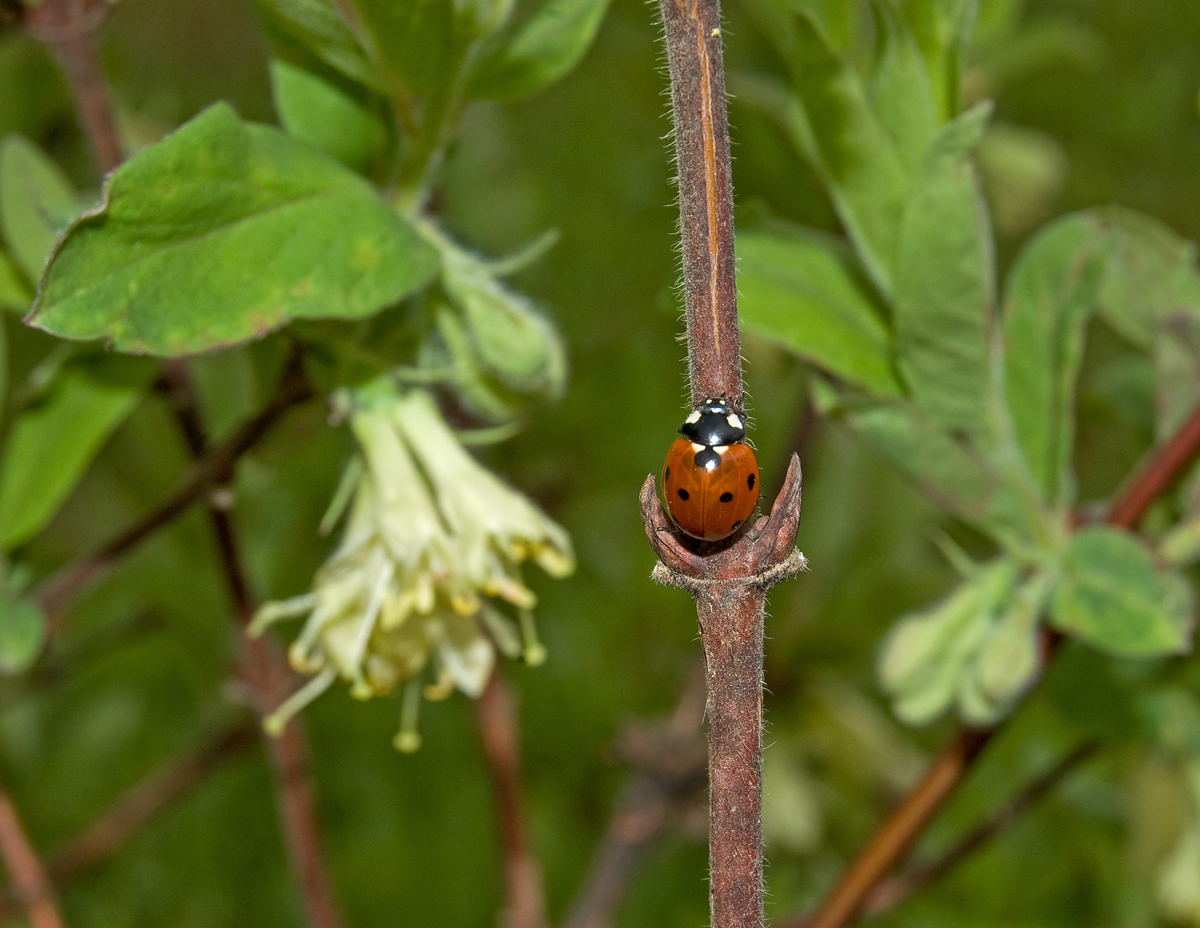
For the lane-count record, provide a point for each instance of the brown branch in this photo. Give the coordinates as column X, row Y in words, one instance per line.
column 67, row 28
column 264, row 669
column 32, row 886
column 56, row 593
column 693, row 38
column 672, row 770
column 525, row 905
column 893, row 838
column 892, row 891
column 147, row 799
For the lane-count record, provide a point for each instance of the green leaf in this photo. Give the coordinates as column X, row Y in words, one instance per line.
column 423, row 42
column 14, row 292
column 36, row 203
column 22, row 634
column 1051, row 290
column 315, row 111
column 482, row 396
column 927, row 653
column 899, row 87
column 51, row 444
column 546, row 48
column 1112, row 597
column 311, row 34
column 221, row 233
column 944, row 279
column 803, row 291
column 941, row 29
column 835, row 129
column 949, row 471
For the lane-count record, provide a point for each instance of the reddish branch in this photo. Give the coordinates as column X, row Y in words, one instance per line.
column 525, row 900
column 263, row 668
column 892, row 891
column 693, row 34
column 893, row 838
column 729, row 580
column 67, row 28
column 30, row 883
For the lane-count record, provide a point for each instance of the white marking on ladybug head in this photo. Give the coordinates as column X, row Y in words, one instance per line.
column 733, row 420
column 693, row 418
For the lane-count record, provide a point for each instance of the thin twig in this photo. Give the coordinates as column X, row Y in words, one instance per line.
column 672, row 770
column 67, row 28
column 264, row 669
column 892, row 891
column 525, row 898
column 905, row 824
column 32, row 886
column 56, row 593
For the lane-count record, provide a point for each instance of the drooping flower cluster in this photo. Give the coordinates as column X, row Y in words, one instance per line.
column 433, row 544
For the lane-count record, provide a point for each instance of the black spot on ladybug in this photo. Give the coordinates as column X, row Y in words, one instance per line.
column 683, row 494
column 726, row 497
column 667, row 474
column 735, row 525
column 750, row 482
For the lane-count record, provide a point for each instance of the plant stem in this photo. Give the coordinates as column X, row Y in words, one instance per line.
column 693, row 39
column 25, row 869
column 55, row 594
column 729, row 579
column 1164, row 465
column 526, row 904
column 67, row 28
column 890, row 892
column 264, row 669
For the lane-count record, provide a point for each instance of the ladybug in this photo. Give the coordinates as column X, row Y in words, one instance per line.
column 710, row 477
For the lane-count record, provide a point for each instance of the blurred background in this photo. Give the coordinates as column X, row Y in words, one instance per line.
column 1096, row 103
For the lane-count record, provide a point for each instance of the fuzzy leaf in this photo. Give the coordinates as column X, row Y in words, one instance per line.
column 940, row 28
column 1050, row 293
column 899, row 88
column 36, row 203
column 802, row 291
column 221, row 233
column 836, row 130
column 549, row 46
column 51, row 444
column 944, row 282
column 1112, row 597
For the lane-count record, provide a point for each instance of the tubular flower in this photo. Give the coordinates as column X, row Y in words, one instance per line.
column 430, row 537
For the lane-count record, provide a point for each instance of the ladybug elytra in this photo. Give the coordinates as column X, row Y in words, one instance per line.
column 710, row 478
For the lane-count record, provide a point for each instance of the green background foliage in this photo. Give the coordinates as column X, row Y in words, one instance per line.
column 1094, row 104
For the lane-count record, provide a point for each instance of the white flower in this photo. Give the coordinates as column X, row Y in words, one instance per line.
column 406, row 588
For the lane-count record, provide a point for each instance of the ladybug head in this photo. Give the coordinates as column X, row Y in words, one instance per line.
column 713, row 423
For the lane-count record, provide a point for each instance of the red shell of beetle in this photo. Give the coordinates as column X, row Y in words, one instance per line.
column 710, row 504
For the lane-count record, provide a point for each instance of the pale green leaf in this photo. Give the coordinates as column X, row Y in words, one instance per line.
column 36, row 203
column 804, row 292
column 315, row 111
column 313, row 35
column 51, row 444
column 944, row 281
column 546, row 48
column 1114, row 598
column 899, row 88
column 1050, row 293
column 834, row 128
column 221, row 233
column 941, row 29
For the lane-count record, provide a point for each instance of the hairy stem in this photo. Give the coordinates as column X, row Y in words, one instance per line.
column 893, row 838
column 526, row 905
column 693, row 39
column 30, row 882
